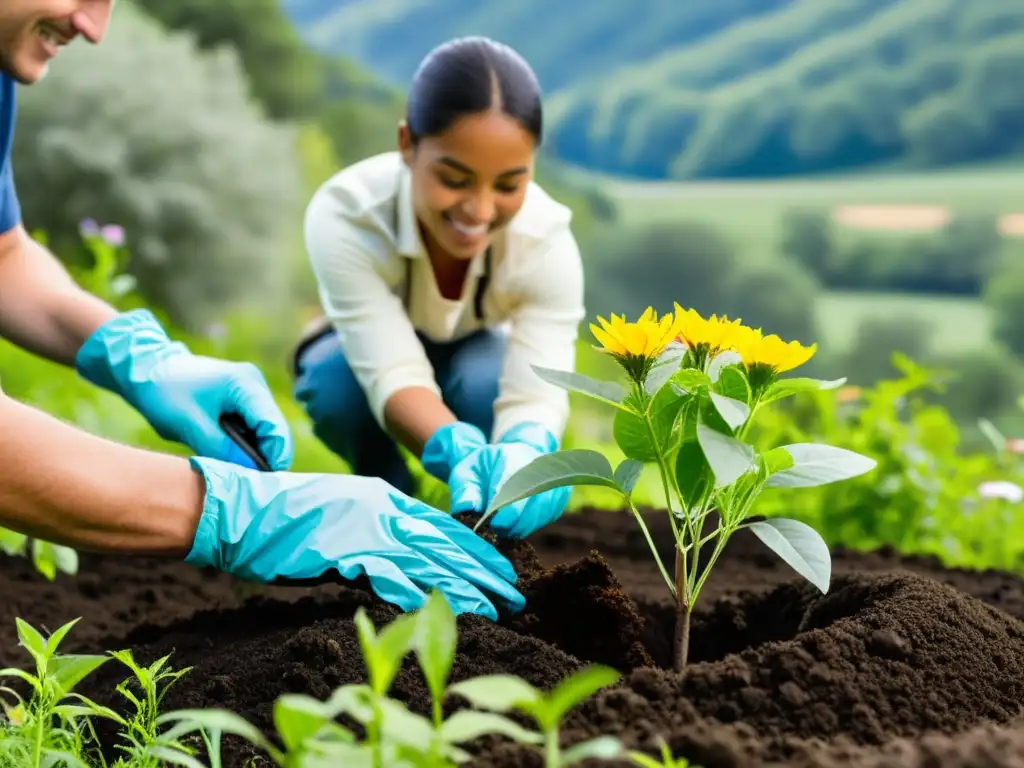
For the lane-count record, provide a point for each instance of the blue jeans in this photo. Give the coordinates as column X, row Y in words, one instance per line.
column 466, row 370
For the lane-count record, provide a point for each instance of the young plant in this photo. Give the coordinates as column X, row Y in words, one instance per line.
column 48, row 558
column 667, row 759
column 693, row 388
column 395, row 736
column 141, row 732
column 504, row 693
column 49, row 728
column 434, row 641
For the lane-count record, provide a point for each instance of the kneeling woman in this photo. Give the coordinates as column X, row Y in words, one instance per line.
column 445, row 272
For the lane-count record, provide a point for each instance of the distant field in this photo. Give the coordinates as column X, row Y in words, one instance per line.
column 752, row 211
column 960, row 323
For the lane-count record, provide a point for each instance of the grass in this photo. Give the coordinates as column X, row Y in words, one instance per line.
column 959, row 322
column 753, row 211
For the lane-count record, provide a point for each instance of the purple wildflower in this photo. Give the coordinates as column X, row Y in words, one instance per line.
column 113, row 234
column 88, row 228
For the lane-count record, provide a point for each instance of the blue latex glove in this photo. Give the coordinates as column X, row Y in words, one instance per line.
column 182, row 395
column 459, row 455
column 287, row 525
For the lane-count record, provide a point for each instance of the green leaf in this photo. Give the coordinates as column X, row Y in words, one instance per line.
column 781, row 388
column 466, row 725
column 211, row 720
column 776, row 460
column 723, row 361
column 54, row 640
column 667, row 364
column 691, row 379
column 393, row 643
column 299, row 717
column 815, row 464
column 21, row 675
column 54, row 757
column 990, row 431
column 800, row 546
column 403, row 726
column 632, row 437
column 172, row 756
column 68, row 671
column 627, row 473
column 728, row 457
column 631, row 432
column 577, row 687
column 733, row 383
column 602, row 747
column 30, row 637
column 66, row 559
column 577, row 466
column 693, row 473
column 732, row 411
column 12, row 543
column 646, row 761
column 383, row 654
column 435, row 642
column 606, row 391
column 499, row 693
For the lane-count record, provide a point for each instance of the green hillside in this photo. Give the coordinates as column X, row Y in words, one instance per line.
column 731, row 88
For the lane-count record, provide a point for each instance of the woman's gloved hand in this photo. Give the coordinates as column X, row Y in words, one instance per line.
column 284, row 525
column 183, row 395
column 459, row 455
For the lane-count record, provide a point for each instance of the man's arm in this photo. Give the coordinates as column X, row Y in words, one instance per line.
column 42, row 309
column 66, row 486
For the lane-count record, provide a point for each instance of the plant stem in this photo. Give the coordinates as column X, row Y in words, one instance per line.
column 551, row 755
column 650, row 543
column 374, row 733
column 682, row 634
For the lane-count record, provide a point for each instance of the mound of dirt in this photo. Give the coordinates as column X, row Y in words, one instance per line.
column 902, row 663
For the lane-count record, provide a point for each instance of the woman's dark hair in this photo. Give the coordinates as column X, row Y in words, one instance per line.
column 469, row 75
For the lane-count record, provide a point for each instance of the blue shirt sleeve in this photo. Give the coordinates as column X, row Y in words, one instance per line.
column 10, row 208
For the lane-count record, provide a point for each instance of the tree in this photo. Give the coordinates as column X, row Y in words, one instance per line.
column 151, row 133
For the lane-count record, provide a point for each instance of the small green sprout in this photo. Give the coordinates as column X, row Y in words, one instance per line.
column 504, row 693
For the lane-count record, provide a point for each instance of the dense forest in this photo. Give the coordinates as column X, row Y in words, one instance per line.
column 730, row 88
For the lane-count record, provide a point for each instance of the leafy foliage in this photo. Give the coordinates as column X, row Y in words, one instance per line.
column 207, row 189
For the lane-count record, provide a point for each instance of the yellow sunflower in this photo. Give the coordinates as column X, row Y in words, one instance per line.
column 707, row 336
column 636, row 345
column 770, row 355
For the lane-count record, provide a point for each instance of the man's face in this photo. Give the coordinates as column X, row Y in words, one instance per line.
column 32, row 32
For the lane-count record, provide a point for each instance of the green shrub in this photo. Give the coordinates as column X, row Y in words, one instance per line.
column 148, row 132
column 773, row 295
column 630, row 268
column 924, row 496
column 809, row 241
column 1004, row 295
column 870, row 355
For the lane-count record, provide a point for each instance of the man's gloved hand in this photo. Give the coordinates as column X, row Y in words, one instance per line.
column 183, row 395
column 459, row 455
column 285, row 525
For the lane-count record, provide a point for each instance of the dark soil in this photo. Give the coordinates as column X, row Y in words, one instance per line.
column 902, row 663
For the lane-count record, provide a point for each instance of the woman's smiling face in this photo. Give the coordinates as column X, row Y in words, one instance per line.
column 469, row 181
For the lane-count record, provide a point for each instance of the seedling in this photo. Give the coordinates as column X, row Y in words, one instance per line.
column 48, row 558
column 504, row 693
column 667, row 760
column 30, row 737
column 694, row 386
column 395, row 736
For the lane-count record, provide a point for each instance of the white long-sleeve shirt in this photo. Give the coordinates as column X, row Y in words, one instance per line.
column 362, row 237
